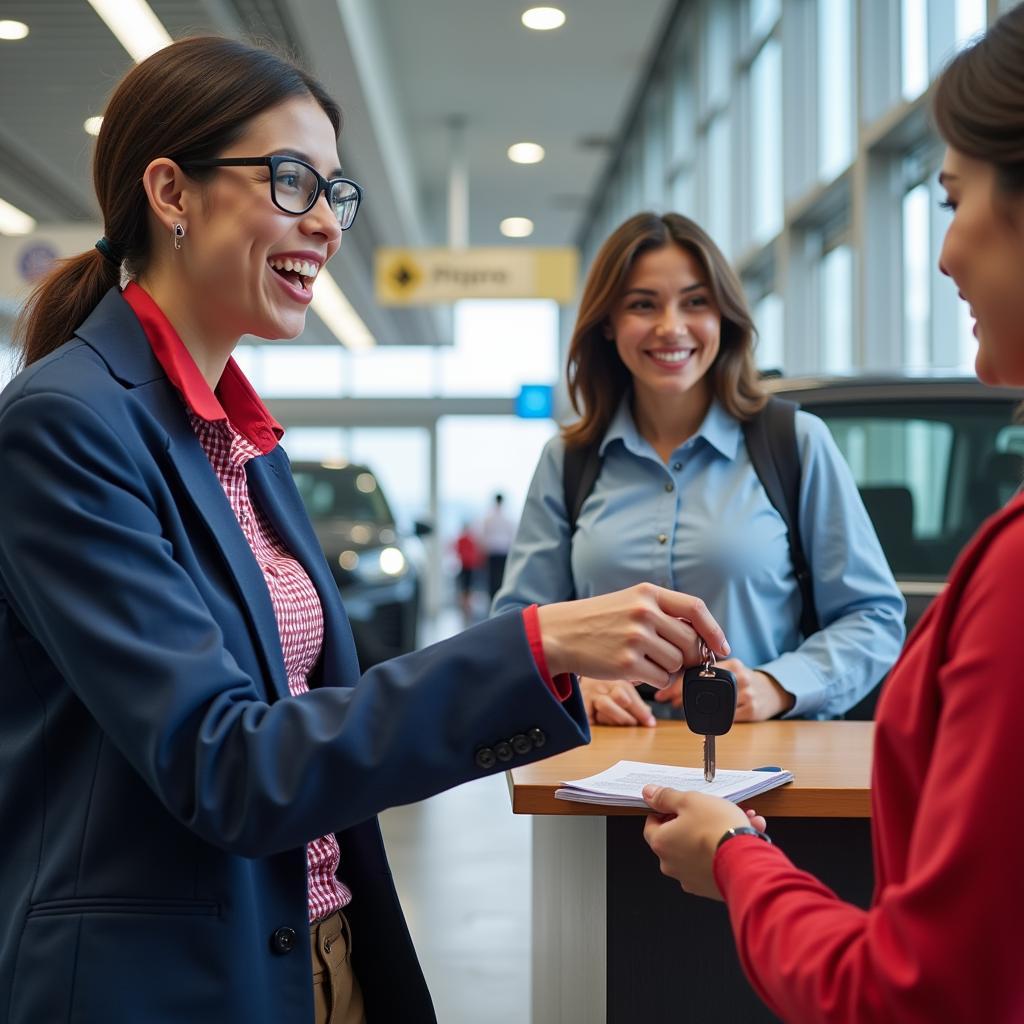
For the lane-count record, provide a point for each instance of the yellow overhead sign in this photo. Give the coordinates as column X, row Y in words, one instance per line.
column 418, row 277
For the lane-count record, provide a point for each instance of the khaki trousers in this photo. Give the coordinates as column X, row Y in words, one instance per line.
column 337, row 998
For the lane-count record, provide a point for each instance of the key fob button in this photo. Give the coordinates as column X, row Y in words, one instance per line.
column 707, row 703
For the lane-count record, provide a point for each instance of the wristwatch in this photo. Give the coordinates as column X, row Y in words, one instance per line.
column 743, row 830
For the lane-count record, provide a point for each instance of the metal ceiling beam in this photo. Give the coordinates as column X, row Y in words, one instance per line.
column 384, row 412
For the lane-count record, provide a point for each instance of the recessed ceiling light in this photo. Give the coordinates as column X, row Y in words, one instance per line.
column 93, row 124
column 543, row 19
column 525, row 153
column 14, row 221
column 516, row 227
column 13, row 29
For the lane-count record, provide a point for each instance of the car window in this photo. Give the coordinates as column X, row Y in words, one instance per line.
column 929, row 473
column 342, row 493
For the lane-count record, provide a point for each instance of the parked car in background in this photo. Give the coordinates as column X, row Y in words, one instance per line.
column 377, row 569
column 932, row 457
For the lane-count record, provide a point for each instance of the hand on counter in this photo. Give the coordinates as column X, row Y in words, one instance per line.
column 616, row 702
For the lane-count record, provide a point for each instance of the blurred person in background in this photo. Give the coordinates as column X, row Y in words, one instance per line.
column 471, row 559
column 496, row 533
column 191, row 763
column 661, row 371
column 941, row 940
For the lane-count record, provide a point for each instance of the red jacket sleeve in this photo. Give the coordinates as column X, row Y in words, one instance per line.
column 561, row 685
column 943, row 943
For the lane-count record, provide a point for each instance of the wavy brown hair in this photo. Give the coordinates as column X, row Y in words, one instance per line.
column 978, row 103
column 188, row 101
column 598, row 378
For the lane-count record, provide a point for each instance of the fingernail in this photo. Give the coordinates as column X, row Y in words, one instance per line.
column 726, row 648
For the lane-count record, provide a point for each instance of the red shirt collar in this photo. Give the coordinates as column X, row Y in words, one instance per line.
column 233, row 401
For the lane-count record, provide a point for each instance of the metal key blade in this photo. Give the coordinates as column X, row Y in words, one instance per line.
column 709, row 758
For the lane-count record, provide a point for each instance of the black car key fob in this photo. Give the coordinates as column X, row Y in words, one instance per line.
column 709, row 699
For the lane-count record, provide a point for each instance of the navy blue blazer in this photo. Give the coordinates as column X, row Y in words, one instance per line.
column 157, row 782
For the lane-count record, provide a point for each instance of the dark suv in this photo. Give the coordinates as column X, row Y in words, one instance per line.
column 933, row 457
column 377, row 570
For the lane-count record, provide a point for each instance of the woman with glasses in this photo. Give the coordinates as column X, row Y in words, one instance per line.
column 191, row 763
column 661, row 371
column 941, row 939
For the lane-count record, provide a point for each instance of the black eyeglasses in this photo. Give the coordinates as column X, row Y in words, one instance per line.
column 295, row 186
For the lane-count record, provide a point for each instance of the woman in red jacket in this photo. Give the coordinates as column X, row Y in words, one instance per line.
column 941, row 940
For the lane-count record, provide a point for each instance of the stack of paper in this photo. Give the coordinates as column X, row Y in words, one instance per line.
column 622, row 784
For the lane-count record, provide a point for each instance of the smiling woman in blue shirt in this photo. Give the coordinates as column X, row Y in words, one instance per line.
column 662, row 375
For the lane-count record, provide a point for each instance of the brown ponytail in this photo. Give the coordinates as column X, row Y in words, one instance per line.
column 189, row 101
column 62, row 300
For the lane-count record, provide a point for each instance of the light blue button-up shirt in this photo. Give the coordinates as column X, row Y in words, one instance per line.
column 703, row 524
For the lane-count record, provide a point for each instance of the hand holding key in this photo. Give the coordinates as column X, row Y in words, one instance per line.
column 709, row 702
column 645, row 633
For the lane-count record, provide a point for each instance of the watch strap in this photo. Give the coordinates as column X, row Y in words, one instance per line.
column 743, row 830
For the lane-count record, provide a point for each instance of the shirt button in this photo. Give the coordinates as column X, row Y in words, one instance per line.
column 669, row 488
column 662, row 538
column 677, row 466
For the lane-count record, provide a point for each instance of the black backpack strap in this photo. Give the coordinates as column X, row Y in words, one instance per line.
column 580, row 470
column 579, row 474
column 772, row 447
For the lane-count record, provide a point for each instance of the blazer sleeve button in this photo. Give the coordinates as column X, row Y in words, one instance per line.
column 520, row 744
column 485, row 758
column 503, row 750
column 537, row 738
column 283, row 940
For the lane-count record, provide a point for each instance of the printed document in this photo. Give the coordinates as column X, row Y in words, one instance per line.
column 622, row 784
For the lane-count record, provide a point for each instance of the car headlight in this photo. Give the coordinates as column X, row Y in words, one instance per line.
column 392, row 562
column 375, row 565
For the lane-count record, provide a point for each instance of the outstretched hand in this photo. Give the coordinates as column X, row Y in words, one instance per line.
column 683, row 831
column 645, row 633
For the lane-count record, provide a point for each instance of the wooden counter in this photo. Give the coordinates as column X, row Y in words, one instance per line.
column 830, row 762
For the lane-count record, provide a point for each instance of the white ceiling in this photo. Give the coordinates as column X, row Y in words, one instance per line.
column 401, row 70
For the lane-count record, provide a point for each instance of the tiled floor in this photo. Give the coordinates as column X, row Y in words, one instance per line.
column 462, row 864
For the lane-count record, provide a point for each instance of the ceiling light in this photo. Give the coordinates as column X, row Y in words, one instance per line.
column 134, row 24
column 93, row 124
column 516, row 227
column 525, row 153
column 14, row 221
column 13, row 29
column 329, row 303
column 543, row 19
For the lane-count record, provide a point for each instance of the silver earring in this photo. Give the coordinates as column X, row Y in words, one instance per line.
column 179, row 234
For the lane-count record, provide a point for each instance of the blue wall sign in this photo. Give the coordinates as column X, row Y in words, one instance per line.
column 535, row 402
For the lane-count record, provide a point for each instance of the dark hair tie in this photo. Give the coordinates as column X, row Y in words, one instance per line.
column 109, row 253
